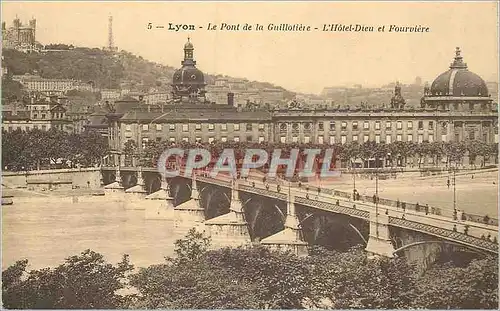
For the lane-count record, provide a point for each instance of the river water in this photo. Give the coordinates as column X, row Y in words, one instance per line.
column 46, row 233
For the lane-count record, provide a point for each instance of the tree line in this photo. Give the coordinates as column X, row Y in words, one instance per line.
column 253, row 278
column 396, row 153
column 36, row 149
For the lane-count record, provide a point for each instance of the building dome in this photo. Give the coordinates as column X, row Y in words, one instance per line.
column 188, row 75
column 188, row 80
column 459, row 81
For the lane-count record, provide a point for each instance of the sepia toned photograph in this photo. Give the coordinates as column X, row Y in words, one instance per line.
column 249, row 155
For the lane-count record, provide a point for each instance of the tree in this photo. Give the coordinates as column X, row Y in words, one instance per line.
column 85, row 281
column 11, row 90
column 55, row 144
column 472, row 287
column 129, row 149
column 494, row 151
column 366, row 151
column 191, row 247
column 455, row 151
column 404, row 149
column 435, row 150
column 422, row 150
column 351, row 280
column 93, row 147
column 478, row 148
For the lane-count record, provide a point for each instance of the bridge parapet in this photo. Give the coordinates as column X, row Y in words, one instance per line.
column 264, row 192
column 333, row 207
column 445, row 233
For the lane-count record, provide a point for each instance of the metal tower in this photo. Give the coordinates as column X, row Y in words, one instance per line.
column 111, row 46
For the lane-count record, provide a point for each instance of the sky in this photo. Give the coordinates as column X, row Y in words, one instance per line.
column 299, row 61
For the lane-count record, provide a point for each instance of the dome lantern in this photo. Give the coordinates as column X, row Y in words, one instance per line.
column 188, row 53
column 458, row 63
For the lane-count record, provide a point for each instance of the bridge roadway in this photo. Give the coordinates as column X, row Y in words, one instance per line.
column 431, row 224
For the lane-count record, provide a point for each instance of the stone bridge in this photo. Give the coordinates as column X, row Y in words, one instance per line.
column 286, row 216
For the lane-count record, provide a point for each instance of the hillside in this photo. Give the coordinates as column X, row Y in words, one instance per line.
column 105, row 69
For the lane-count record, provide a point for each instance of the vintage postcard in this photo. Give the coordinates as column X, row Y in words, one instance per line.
column 249, row 155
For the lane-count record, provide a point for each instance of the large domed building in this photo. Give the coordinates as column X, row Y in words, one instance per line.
column 457, row 89
column 188, row 82
column 464, row 106
column 456, row 107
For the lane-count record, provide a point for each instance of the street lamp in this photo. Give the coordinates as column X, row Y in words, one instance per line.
column 376, row 200
column 354, row 186
column 454, row 196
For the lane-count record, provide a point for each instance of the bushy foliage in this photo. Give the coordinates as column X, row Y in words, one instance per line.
column 474, row 286
column 11, row 90
column 84, row 281
column 253, row 278
column 192, row 247
column 351, row 280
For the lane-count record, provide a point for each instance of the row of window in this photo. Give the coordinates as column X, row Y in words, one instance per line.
column 321, row 140
column 457, row 107
column 355, row 125
column 23, row 128
column 366, row 138
column 295, row 126
column 45, row 107
column 55, row 115
column 185, row 127
column 145, row 140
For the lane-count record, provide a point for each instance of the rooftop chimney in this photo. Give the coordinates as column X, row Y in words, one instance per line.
column 230, row 99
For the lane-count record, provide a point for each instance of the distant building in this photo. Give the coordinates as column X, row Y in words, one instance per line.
column 39, row 84
column 110, row 94
column 20, row 37
column 85, row 86
column 38, row 114
column 154, row 98
column 221, row 82
column 418, row 81
column 272, row 96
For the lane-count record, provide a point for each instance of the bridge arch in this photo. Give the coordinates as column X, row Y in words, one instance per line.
column 324, row 225
column 215, row 201
column 266, row 216
column 152, row 182
column 443, row 242
column 180, row 190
